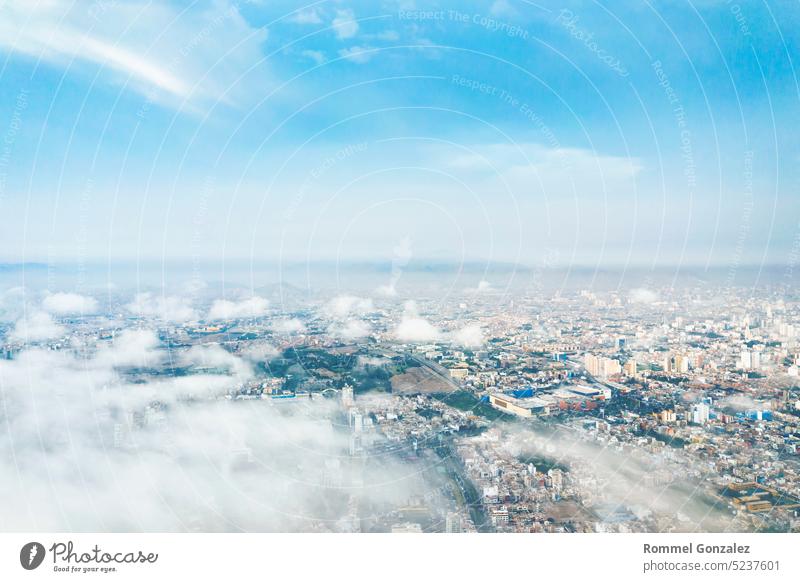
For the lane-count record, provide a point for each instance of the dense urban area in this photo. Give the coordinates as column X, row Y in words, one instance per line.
column 621, row 411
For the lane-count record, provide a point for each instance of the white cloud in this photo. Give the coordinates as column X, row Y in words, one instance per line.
column 37, row 326
column 387, row 290
column 622, row 475
column 344, row 24
column 357, row 54
column 69, row 303
column 416, row 329
column 352, row 329
column 259, row 352
column 641, row 295
column 174, row 309
column 345, row 305
column 387, row 35
column 469, row 336
column 225, row 309
column 549, row 170
column 483, row 287
column 161, row 51
column 12, row 303
column 741, row 402
column 310, row 16
column 208, row 465
column 215, row 356
column 413, row 328
column 290, row 325
column 502, row 8
column 316, row 56
column 131, row 348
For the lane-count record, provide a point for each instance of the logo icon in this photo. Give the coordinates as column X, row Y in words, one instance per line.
column 31, row 555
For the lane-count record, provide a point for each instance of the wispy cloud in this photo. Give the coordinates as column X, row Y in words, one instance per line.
column 414, row 328
column 344, row 24
column 69, row 303
column 166, row 54
column 527, row 166
column 166, row 308
column 87, row 449
column 357, row 54
column 310, row 16
column 37, row 326
column 316, row 56
column 226, row 309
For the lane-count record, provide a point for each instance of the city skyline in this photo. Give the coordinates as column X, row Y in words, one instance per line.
column 651, row 410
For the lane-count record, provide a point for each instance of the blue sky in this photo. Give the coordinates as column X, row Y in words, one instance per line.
column 599, row 133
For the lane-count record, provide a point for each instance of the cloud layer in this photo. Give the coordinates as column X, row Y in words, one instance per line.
column 86, row 447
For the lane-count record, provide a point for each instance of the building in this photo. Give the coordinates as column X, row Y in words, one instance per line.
column 499, row 516
column 524, row 407
column 745, row 360
column 453, row 523
column 677, row 364
column 667, row 416
column 700, row 413
column 589, row 392
column 348, row 398
column 601, row 366
column 749, row 360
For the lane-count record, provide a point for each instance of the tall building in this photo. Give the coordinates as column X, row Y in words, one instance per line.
column 355, row 420
column 453, row 524
column 677, row 364
column 556, row 479
column 630, row 368
column 749, row 359
column 700, row 413
column 592, row 364
column 601, row 366
column 745, row 360
column 681, row 364
column 348, row 398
